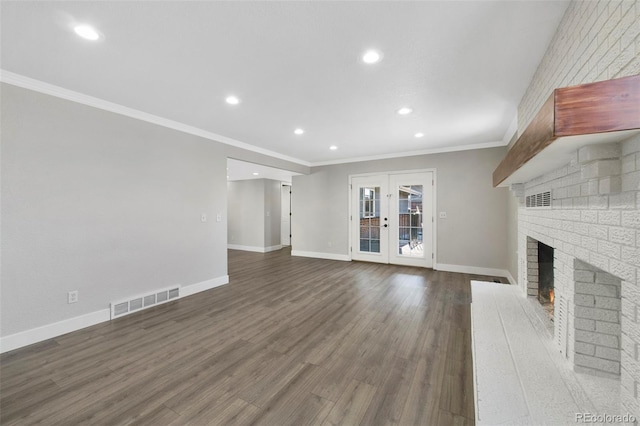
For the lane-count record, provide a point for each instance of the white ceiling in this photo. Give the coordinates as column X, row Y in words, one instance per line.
column 462, row 66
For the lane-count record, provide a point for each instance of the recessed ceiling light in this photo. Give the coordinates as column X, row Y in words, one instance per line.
column 87, row 32
column 333, row 147
column 232, row 100
column 371, row 57
column 256, row 173
column 405, row 111
column 419, row 135
column 298, row 131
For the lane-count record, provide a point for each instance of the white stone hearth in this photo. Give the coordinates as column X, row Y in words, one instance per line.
column 520, row 376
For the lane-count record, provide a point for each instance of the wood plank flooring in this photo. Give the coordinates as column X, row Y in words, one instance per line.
column 290, row 341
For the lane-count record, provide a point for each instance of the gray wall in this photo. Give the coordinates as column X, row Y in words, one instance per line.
column 246, row 209
column 254, row 213
column 474, row 234
column 101, row 203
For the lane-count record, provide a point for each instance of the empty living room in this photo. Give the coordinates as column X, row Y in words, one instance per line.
column 320, row 212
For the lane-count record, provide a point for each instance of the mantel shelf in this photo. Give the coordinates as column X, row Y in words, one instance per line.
column 572, row 117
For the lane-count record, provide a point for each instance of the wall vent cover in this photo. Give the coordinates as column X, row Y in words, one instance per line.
column 138, row 303
column 542, row 199
column 561, row 319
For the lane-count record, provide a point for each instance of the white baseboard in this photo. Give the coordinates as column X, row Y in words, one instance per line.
column 38, row 334
column 49, row 331
column 318, row 255
column 254, row 248
column 203, row 286
column 511, row 280
column 476, row 270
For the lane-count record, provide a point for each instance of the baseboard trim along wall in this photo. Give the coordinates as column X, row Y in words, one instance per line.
column 254, row 248
column 476, row 270
column 203, row 286
column 318, row 255
column 512, row 281
column 38, row 334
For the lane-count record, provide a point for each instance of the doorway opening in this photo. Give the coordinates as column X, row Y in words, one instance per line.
column 259, row 206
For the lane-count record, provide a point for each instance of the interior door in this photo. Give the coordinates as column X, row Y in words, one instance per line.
column 370, row 219
column 392, row 218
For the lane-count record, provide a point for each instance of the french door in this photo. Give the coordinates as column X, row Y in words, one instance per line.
column 392, row 218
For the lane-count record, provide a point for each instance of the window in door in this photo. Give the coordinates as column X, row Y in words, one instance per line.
column 369, row 219
column 410, row 221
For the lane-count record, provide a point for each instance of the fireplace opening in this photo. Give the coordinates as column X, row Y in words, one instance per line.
column 545, row 277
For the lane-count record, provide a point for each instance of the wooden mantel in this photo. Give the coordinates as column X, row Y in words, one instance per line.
column 587, row 109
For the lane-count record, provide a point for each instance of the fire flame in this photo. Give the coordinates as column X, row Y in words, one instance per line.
column 551, row 296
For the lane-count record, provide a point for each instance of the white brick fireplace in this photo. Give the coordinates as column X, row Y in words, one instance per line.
column 593, row 225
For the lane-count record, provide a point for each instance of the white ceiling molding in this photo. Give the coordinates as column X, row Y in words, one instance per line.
column 412, row 153
column 511, row 130
column 462, row 67
column 14, row 79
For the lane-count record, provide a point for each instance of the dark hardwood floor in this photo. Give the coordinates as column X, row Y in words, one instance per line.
column 290, row 341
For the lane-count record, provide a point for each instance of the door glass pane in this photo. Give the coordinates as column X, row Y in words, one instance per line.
column 410, row 216
column 369, row 214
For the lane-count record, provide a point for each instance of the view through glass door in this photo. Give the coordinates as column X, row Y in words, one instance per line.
column 392, row 218
column 370, row 219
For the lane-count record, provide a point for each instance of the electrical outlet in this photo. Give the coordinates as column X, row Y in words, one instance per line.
column 443, row 215
column 203, row 217
column 72, row 296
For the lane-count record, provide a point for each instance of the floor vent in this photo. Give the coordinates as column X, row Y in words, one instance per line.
column 138, row 303
column 543, row 199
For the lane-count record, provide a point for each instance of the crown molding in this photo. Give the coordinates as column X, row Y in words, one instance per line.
column 411, row 153
column 70, row 95
column 511, row 130
column 18, row 80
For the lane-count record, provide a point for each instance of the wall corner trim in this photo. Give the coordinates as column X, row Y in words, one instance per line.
column 476, row 270
column 318, row 255
column 49, row 331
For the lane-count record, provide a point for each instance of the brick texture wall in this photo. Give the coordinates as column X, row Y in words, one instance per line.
column 594, row 220
column 596, row 40
column 595, row 231
column 597, row 320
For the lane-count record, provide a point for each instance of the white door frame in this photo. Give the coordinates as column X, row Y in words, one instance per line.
column 434, row 209
column 285, row 213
